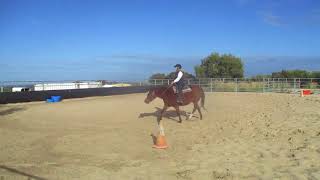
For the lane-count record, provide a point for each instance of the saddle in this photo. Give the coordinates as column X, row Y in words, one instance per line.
column 185, row 89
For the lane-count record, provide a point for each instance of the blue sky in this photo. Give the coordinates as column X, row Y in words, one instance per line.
column 130, row 40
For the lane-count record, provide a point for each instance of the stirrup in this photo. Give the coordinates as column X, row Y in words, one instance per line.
column 180, row 102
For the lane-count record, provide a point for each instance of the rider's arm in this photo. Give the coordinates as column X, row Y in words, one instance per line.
column 180, row 74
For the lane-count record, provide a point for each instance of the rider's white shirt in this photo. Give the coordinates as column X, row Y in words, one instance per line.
column 180, row 74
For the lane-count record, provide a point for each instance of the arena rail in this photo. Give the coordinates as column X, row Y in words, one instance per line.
column 26, row 91
column 29, row 96
column 286, row 85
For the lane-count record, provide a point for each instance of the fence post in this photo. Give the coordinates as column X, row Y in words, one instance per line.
column 236, row 88
column 294, row 84
column 211, row 87
column 155, row 82
column 1, row 89
column 263, row 85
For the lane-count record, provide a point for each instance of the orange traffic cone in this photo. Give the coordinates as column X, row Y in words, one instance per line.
column 160, row 142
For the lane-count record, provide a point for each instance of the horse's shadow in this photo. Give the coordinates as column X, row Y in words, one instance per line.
column 10, row 110
column 169, row 114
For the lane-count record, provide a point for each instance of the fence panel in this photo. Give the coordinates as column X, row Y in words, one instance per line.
column 208, row 84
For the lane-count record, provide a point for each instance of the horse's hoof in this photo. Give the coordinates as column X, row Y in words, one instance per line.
column 179, row 121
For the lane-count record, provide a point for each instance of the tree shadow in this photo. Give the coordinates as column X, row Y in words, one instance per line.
column 15, row 171
column 11, row 111
column 169, row 114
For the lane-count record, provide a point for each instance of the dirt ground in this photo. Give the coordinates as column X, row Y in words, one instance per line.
column 242, row 136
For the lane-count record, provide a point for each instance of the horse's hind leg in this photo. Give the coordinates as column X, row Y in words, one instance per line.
column 178, row 112
column 194, row 110
column 199, row 110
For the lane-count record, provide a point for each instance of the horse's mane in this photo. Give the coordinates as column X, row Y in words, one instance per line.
column 159, row 88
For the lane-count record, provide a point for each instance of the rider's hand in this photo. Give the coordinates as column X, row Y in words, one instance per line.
column 172, row 83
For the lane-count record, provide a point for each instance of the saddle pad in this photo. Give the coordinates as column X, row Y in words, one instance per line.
column 184, row 90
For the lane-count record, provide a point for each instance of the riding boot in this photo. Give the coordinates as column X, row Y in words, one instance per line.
column 180, row 98
column 179, row 89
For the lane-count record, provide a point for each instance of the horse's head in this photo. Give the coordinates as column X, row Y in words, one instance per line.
column 151, row 96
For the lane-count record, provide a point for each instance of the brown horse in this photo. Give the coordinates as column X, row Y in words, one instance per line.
column 170, row 99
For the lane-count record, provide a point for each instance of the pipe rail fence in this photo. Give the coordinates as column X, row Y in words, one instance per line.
column 249, row 85
column 287, row 85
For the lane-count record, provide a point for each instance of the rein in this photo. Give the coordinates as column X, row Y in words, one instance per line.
column 166, row 90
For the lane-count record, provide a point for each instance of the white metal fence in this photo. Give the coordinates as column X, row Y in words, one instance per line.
column 208, row 84
column 249, row 85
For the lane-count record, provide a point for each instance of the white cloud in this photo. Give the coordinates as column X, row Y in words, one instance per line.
column 280, row 13
column 272, row 19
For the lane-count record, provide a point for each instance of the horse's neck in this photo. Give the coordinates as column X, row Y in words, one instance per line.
column 160, row 92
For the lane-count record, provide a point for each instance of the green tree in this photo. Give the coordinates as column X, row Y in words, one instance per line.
column 158, row 76
column 200, row 71
column 220, row 66
column 186, row 75
column 315, row 74
column 292, row 74
column 260, row 76
column 277, row 75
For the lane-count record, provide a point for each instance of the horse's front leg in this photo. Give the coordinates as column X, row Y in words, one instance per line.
column 178, row 112
column 165, row 107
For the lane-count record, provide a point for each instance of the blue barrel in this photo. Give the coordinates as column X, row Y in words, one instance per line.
column 49, row 101
column 56, row 98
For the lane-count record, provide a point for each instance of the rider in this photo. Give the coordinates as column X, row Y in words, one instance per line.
column 179, row 82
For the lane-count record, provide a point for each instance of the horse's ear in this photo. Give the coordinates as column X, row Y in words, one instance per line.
column 153, row 93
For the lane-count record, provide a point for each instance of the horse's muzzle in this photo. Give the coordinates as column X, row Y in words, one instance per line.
column 146, row 101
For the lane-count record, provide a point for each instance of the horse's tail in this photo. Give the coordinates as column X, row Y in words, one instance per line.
column 203, row 97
